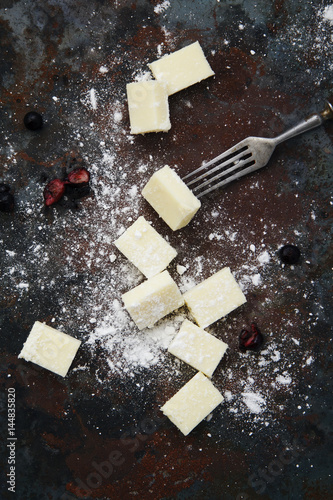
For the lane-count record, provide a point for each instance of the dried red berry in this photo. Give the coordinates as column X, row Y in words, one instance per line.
column 53, row 191
column 250, row 340
column 78, row 176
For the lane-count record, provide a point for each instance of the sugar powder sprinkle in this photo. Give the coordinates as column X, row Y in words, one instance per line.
column 86, row 240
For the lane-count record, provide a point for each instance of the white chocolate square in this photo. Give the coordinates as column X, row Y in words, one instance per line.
column 171, row 198
column 214, row 298
column 145, row 248
column 182, row 68
column 192, row 403
column 152, row 300
column 198, row 348
column 148, row 107
column 50, row 348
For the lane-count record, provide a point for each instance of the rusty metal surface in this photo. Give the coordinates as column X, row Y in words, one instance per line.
column 98, row 433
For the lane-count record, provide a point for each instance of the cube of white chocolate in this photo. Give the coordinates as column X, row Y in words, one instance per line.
column 198, row 348
column 182, row 68
column 145, row 248
column 192, row 403
column 171, row 198
column 50, row 348
column 214, row 298
column 152, row 300
column 148, row 107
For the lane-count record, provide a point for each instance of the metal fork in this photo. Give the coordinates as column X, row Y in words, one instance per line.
column 247, row 156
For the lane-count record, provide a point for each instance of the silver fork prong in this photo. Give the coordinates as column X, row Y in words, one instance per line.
column 197, row 190
column 238, row 155
column 234, row 177
column 229, row 152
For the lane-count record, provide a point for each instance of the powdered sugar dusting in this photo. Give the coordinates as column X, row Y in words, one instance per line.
column 161, row 7
column 254, row 401
column 328, row 13
column 85, row 243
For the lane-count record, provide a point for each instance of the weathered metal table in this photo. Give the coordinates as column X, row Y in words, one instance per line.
column 99, row 433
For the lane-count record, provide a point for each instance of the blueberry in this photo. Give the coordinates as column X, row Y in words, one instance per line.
column 76, row 192
column 289, row 254
column 6, row 200
column 33, row 120
column 4, row 188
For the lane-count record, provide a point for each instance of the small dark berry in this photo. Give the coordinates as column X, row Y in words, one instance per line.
column 4, row 188
column 43, row 177
column 6, row 201
column 76, row 191
column 289, row 254
column 250, row 340
column 33, row 120
column 53, row 191
column 78, row 176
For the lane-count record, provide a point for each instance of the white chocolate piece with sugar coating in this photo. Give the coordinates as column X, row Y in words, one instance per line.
column 153, row 299
column 182, row 68
column 145, row 248
column 171, row 198
column 50, row 348
column 148, row 107
column 198, row 348
column 214, row 297
column 192, row 403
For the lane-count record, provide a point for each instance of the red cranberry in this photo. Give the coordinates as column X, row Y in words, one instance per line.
column 250, row 340
column 53, row 191
column 76, row 184
column 78, row 176
column 289, row 254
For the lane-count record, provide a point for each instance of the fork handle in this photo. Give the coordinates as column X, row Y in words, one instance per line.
column 309, row 123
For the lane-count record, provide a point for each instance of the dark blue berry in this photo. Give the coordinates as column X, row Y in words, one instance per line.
column 4, row 188
column 6, row 199
column 33, row 120
column 289, row 254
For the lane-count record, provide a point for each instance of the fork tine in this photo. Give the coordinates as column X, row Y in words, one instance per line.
column 232, row 159
column 231, row 151
column 231, row 178
column 237, row 168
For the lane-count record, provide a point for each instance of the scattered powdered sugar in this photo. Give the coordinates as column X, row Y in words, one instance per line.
column 309, row 361
column 93, row 98
column 181, row 269
column 284, row 379
column 127, row 348
column 256, row 279
column 318, row 46
column 328, row 13
column 254, row 401
column 161, row 7
column 276, row 356
column 109, row 331
column 264, row 257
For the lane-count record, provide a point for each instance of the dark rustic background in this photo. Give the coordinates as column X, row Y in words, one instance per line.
column 98, row 433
